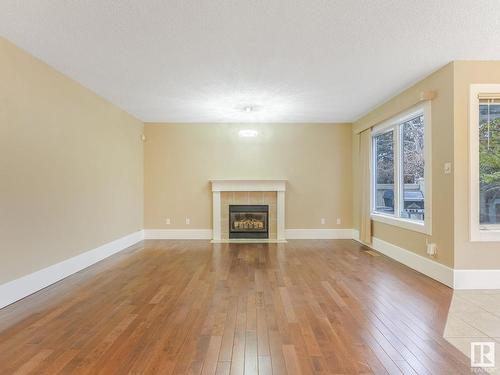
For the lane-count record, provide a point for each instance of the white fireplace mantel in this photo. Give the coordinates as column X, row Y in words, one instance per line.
column 279, row 186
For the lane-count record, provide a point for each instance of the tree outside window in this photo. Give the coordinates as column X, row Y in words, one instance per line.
column 489, row 161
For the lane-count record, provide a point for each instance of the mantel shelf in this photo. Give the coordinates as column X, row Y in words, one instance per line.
column 248, row 185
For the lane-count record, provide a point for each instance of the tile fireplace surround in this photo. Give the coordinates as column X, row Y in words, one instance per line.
column 269, row 192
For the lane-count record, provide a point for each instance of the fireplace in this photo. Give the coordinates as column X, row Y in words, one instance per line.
column 248, row 221
column 242, row 192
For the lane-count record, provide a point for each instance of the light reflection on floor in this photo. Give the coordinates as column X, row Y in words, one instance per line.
column 474, row 316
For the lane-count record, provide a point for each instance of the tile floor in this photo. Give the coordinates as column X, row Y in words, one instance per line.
column 474, row 316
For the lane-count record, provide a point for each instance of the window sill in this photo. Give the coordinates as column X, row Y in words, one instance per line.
column 486, row 236
column 402, row 223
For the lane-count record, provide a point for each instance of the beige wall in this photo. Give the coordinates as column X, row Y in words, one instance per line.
column 71, row 167
column 74, row 174
column 440, row 81
column 180, row 159
column 469, row 255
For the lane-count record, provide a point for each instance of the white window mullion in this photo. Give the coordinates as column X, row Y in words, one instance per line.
column 397, row 171
column 428, row 167
column 373, row 176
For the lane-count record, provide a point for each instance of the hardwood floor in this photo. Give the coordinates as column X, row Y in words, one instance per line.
column 190, row 307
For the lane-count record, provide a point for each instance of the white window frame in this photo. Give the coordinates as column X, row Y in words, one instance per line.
column 476, row 232
column 394, row 123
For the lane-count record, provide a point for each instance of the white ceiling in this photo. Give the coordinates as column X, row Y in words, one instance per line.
column 294, row 60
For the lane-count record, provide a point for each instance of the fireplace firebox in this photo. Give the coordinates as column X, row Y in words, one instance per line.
column 248, row 221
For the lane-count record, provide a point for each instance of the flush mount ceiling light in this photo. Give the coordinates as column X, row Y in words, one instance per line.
column 249, row 106
column 248, row 133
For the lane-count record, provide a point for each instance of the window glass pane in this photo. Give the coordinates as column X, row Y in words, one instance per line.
column 489, row 162
column 384, row 172
column 412, row 169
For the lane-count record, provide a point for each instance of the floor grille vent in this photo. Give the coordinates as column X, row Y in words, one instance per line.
column 372, row 253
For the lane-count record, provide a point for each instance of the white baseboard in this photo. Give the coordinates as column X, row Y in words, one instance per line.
column 317, row 234
column 428, row 267
column 454, row 278
column 206, row 234
column 477, row 279
column 17, row 289
column 458, row 279
column 178, row 234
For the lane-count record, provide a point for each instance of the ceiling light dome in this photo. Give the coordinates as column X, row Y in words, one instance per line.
column 249, row 108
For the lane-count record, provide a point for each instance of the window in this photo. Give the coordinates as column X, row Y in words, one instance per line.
column 401, row 170
column 484, row 127
column 412, row 175
column 384, row 172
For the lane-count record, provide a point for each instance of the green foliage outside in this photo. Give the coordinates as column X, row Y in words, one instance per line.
column 489, row 163
column 489, row 154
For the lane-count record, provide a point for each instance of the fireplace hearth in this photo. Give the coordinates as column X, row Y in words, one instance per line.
column 248, row 221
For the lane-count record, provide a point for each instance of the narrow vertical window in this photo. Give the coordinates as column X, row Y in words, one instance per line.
column 489, row 163
column 384, row 172
column 484, row 162
column 412, row 174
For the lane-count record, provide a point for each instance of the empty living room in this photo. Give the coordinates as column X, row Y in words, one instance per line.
column 249, row 187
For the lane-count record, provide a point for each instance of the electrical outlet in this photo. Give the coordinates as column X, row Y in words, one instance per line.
column 339, row 221
column 188, row 221
column 167, row 221
column 432, row 249
column 323, row 221
column 447, row 168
